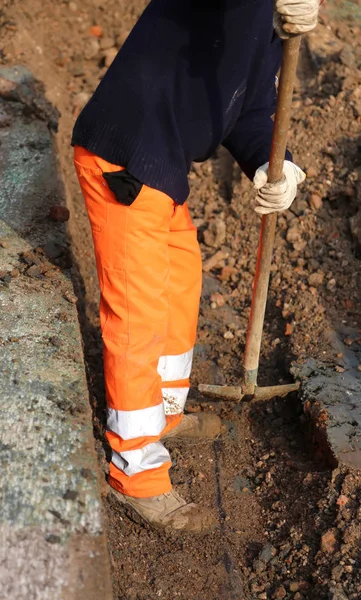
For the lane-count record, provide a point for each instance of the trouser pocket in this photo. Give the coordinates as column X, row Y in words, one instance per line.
column 124, row 186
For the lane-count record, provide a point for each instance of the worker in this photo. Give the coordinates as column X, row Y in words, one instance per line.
column 193, row 74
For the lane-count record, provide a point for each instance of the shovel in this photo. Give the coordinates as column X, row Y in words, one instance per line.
column 248, row 387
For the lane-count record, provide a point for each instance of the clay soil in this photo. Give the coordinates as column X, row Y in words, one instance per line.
column 289, row 519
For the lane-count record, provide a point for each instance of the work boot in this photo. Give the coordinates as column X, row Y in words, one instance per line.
column 201, row 426
column 169, row 511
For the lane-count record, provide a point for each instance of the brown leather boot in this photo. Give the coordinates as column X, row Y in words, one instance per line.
column 170, row 512
column 200, row 426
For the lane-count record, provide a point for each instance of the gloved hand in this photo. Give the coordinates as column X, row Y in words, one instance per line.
column 295, row 16
column 275, row 197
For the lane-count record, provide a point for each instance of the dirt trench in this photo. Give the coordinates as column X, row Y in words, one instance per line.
column 288, row 522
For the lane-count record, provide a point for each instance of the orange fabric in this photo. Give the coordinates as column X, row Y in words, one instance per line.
column 149, row 270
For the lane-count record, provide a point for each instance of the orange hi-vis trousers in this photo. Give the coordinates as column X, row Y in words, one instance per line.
column 149, row 269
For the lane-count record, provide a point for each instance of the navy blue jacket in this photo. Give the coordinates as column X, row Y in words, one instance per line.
column 192, row 74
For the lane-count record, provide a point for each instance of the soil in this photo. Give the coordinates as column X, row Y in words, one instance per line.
column 289, row 522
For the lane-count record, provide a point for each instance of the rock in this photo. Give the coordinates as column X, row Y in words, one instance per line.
column 316, row 279
column 347, row 57
column 342, row 501
column 33, row 272
column 293, row 234
column 96, row 31
column 228, row 335
column 258, row 566
column 80, row 100
column 288, row 329
column 3, row 244
column 218, row 299
column 294, row 586
column 59, row 213
column 355, row 100
column 331, row 284
column 315, row 201
column 279, row 593
column 109, row 55
column 213, row 261
column 53, row 250
column 227, row 273
column 328, row 542
column 6, row 87
column 267, row 553
column 215, row 235
column 311, row 172
column 106, row 43
column 355, row 227
column 91, row 49
column 5, row 120
column 241, row 485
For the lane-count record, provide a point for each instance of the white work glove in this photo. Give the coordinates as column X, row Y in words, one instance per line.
column 295, row 16
column 275, row 197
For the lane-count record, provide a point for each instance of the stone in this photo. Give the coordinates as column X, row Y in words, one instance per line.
column 33, row 271
column 267, row 553
column 311, row 172
column 214, row 261
column 96, row 31
column 215, row 235
column 120, row 39
column 328, row 542
column 92, row 48
column 109, row 55
column 355, row 101
column 347, row 57
column 228, row 335
column 258, row 566
column 59, row 213
column 342, row 501
column 5, row 120
column 106, row 43
column 218, row 299
column 316, row 201
column 6, row 87
column 279, row 593
column 293, row 235
column 316, row 279
column 355, row 227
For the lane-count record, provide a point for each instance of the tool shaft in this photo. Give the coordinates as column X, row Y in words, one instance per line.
column 268, row 225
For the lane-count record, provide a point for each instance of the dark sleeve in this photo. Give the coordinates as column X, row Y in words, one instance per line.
column 250, row 140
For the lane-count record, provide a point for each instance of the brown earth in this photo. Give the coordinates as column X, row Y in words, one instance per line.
column 288, row 524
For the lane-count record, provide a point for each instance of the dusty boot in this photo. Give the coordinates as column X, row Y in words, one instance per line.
column 201, row 426
column 170, row 512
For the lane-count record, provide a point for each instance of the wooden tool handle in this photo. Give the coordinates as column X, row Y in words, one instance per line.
column 275, row 173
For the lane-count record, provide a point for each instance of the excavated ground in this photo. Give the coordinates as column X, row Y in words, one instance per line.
column 288, row 519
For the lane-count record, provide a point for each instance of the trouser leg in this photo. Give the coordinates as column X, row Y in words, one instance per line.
column 139, row 310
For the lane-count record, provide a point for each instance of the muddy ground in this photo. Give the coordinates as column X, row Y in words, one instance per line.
column 288, row 516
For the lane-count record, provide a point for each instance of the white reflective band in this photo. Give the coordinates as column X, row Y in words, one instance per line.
column 176, row 366
column 130, row 424
column 174, row 400
column 151, row 456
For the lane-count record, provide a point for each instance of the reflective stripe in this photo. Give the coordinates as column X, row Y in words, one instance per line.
column 175, row 367
column 151, row 456
column 130, row 424
column 174, row 399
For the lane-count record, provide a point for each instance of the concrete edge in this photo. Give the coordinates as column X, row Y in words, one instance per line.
column 53, row 545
